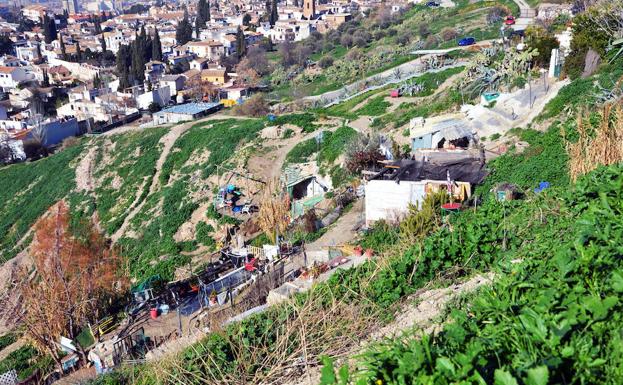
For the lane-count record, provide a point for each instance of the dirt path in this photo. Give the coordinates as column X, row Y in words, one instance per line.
column 268, row 166
column 342, row 231
column 11, row 348
column 418, row 313
column 84, row 171
column 167, row 141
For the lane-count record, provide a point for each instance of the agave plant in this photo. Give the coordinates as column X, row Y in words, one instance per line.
column 618, row 43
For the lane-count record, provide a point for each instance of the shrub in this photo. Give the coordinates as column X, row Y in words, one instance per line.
column 203, row 231
column 326, row 61
column 255, row 106
column 449, row 34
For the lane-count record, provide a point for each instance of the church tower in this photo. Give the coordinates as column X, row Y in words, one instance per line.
column 309, row 9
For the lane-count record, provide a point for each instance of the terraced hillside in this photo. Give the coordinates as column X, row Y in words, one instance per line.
column 148, row 190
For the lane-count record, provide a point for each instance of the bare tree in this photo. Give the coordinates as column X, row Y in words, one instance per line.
column 73, row 275
column 274, row 215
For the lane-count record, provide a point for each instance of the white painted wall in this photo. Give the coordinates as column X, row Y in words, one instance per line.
column 389, row 200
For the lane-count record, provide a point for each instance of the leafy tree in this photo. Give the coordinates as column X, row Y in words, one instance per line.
column 154, row 107
column 326, row 61
column 544, row 42
column 587, row 34
column 255, row 106
column 6, row 45
column 184, row 31
column 246, row 20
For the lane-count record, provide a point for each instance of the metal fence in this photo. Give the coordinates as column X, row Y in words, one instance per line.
column 9, row 378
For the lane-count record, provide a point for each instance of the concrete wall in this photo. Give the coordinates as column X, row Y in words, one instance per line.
column 81, row 71
column 56, row 132
column 422, row 142
column 389, row 200
column 160, row 96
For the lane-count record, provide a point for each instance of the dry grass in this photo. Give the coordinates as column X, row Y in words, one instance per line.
column 312, row 330
column 601, row 146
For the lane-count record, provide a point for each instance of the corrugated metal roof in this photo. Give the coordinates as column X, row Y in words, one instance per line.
column 191, row 108
column 450, row 129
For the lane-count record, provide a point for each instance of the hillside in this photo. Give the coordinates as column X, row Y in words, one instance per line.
column 551, row 296
column 523, row 290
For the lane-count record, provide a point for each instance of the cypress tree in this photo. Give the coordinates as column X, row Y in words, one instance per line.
column 78, row 52
column 202, row 14
column 208, row 17
column 138, row 60
column 46, row 79
column 103, row 44
column 123, row 65
column 39, row 55
column 241, row 44
column 156, row 47
column 184, row 31
column 98, row 26
column 274, row 13
column 49, row 29
column 197, row 28
column 63, row 50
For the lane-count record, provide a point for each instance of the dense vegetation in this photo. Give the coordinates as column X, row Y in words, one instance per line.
column 377, row 105
column 154, row 251
column 367, row 46
column 28, row 190
column 553, row 314
column 127, row 175
column 25, row 360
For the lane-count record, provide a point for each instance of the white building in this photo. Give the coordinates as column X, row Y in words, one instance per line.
column 160, row 96
column 174, row 82
column 10, row 77
column 34, row 12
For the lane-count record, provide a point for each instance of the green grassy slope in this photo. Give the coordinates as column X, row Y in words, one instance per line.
column 28, row 190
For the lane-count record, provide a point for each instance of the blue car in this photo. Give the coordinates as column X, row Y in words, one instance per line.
column 467, row 41
column 433, row 4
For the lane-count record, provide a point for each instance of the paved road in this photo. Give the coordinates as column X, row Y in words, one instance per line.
column 526, row 15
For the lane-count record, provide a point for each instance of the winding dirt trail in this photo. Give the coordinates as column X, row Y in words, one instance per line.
column 167, row 141
column 84, row 171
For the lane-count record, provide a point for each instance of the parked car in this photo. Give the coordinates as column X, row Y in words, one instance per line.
column 467, row 41
column 509, row 20
column 433, row 4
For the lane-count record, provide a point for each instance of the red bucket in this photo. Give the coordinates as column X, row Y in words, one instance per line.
column 153, row 313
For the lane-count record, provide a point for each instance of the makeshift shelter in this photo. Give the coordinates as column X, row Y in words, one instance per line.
column 305, row 190
column 389, row 193
column 444, row 134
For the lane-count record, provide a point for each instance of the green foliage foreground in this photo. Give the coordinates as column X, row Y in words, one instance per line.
column 553, row 314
